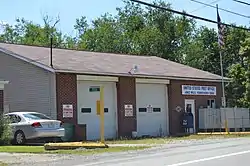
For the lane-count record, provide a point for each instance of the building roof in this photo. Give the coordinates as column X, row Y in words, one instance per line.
column 84, row 62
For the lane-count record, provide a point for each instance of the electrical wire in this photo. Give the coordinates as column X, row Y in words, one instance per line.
column 220, row 9
column 245, row 3
column 188, row 15
column 205, row 6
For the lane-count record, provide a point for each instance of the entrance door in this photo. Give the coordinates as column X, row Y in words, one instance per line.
column 190, row 107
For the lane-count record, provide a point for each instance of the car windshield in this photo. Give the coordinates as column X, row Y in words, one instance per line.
column 35, row 116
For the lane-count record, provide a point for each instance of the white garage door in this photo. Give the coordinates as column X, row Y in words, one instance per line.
column 151, row 122
column 87, row 108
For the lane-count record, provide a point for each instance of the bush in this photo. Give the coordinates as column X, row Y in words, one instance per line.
column 5, row 131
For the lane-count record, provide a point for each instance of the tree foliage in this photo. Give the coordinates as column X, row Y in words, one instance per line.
column 149, row 31
column 5, row 131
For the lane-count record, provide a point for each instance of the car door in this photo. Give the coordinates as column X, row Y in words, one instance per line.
column 20, row 124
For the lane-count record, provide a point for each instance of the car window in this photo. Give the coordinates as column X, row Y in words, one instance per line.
column 35, row 116
column 14, row 118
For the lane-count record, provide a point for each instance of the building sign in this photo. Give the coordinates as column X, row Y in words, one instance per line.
column 128, row 108
column 149, row 108
column 198, row 90
column 94, row 89
column 67, row 111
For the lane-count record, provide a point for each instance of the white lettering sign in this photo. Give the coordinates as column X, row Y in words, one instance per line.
column 198, row 90
column 67, row 111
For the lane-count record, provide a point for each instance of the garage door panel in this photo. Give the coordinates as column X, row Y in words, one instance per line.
column 87, row 99
column 151, row 123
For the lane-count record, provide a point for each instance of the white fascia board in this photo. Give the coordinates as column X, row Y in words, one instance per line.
column 152, row 81
column 96, row 78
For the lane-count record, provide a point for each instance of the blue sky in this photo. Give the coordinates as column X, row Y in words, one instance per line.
column 69, row 10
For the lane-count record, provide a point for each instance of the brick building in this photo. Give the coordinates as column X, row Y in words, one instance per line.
column 145, row 94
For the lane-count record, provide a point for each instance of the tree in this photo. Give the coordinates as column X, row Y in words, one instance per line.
column 135, row 30
column 149, row 31
column 203, row 53
column 28, row 33
column 245, row 52
column 236, row 88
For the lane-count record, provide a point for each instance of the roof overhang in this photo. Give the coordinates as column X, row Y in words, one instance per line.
column 2, row 83
column 142, row 76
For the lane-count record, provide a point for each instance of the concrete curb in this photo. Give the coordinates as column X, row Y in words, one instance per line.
column 73, row 145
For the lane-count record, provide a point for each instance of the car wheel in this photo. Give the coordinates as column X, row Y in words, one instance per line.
column 19, row 138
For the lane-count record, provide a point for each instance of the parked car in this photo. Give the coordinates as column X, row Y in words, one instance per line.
column 33, row 125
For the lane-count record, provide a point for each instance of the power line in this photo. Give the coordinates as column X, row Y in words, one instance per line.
column 205, row 6
column 245, row 3
column 221, row 9
column 188, row 15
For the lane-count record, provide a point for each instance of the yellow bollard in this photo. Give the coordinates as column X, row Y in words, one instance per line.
column 102, row 114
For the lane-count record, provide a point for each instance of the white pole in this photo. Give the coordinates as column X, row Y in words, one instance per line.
column 222, row 83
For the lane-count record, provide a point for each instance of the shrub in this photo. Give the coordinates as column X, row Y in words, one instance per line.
column 5, row 131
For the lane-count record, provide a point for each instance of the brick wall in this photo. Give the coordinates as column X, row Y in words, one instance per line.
column 177, row 99
column 126, row 94
column 66, row 92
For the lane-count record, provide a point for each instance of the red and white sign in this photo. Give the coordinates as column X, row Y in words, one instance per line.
column 67, row 111
column 128, row 110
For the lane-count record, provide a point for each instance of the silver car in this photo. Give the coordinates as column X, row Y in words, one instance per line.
column 33, row 125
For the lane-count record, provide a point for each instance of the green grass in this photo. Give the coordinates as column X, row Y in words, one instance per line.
column 3, row 164
column 171, row 139
column 40, row 149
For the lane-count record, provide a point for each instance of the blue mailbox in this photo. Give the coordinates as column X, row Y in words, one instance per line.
column 188, row 120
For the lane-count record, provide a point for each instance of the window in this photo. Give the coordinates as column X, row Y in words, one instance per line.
column 156, row 109
column 211, row 103
column 14, row 118
column 86, row 110
column 142, row 109
column 188, row 108
column 106, row 110
column 35, row 116
column 94, row 89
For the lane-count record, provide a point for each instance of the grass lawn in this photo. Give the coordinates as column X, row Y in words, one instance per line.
column 40, row 149
column 3, row 164
column 171, row 139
